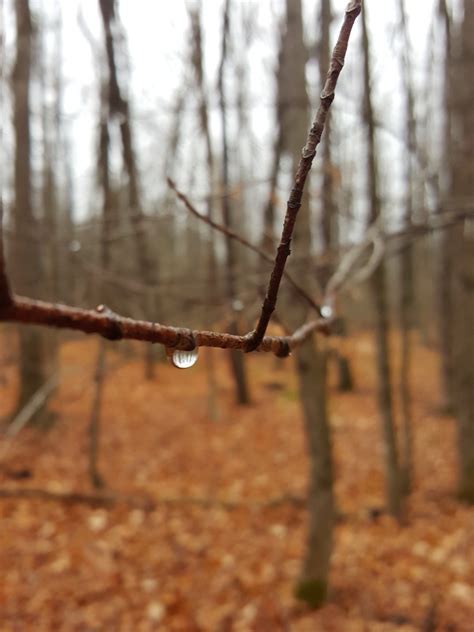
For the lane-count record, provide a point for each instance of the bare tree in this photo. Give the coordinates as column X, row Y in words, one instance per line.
column 24, row 249
column 310, row 362
column 237, row 359
column 406, row 260
column 112, row 326
column 461, row 194
column 445, row 246
column 268, row 234
column 329, row 229
column 377, row 288
column 108, row 220
column 198, row 65
column 119, row 110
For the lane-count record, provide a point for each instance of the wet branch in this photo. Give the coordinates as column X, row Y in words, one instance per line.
column 309, row 151
column 112, row 326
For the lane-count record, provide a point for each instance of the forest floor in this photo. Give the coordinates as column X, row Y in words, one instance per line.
column 208, row 530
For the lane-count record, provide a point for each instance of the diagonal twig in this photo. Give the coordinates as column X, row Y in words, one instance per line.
column 309, row 151
column 241, row 240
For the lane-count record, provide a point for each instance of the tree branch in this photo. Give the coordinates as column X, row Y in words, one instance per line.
column 309, row 151
column 147, row 503
column 110, row 325
column 107, row 499
column 241, row 240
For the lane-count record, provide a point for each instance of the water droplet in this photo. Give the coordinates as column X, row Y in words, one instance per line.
column 181, row 358
column 326, row 311
column 74, row 245
column 237, row 305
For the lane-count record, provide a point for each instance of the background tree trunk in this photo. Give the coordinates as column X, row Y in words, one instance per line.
column 462, row 196
column 406, row 266
column 26, row 248
column 211, row 264
column 445, row 247
column 312, row 585
column 377, row 291
column 236, row 358
column 119, row 108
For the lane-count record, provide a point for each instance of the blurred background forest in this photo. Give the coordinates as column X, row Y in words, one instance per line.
column 148, row 151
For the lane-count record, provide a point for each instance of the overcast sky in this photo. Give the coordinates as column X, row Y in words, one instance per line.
column 157, row 39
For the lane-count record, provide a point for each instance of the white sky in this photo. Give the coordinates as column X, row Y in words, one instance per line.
column 157, row 40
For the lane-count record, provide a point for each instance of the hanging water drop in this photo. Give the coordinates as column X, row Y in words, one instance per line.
column 326, row 311
column 237, row 305
column 74, row 245
column 181, row 358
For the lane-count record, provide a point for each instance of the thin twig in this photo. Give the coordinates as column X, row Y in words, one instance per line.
column 309, row 151
column 148, row 503
column 97, row 499
column 347, row 267
column 347, row 274
column 241, row 240
column 31, row 407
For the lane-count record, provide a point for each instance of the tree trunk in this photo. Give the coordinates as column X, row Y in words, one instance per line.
column 96, row 413
column 312, row 585
column 377, row 292
column 198, row 65
column 119, row 107
column 236, row 357
column 26, row 245
column 406, row 267
column 444, row 248
column 462, row 196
